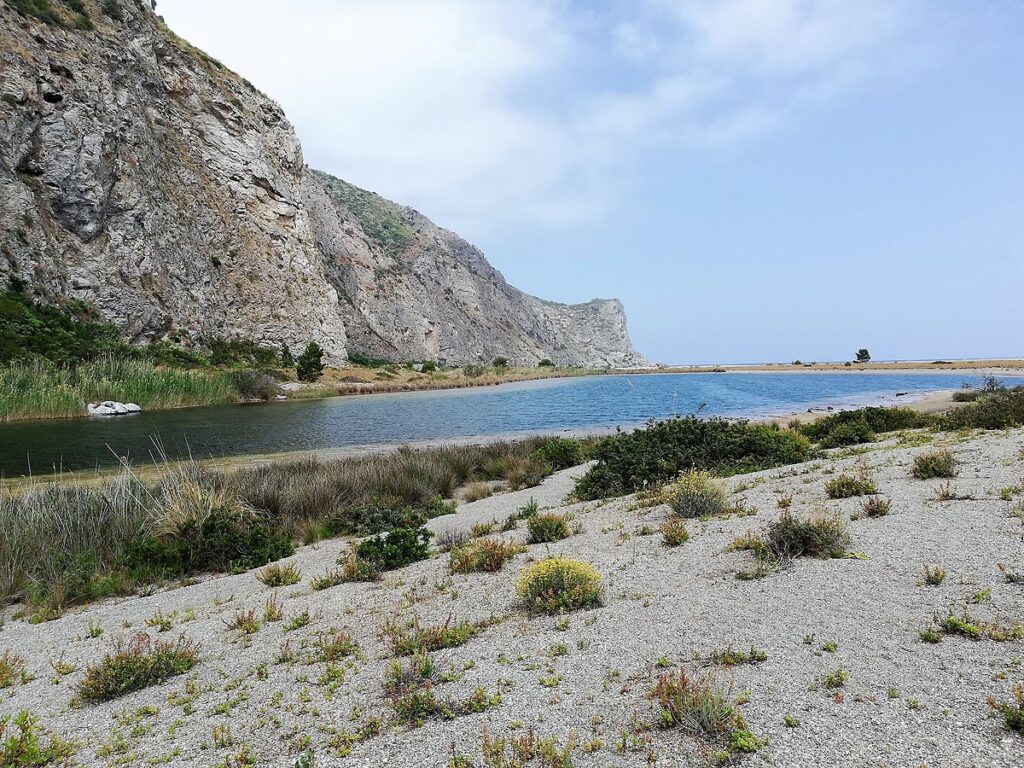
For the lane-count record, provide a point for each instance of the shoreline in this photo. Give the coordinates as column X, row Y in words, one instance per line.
column 927, row 402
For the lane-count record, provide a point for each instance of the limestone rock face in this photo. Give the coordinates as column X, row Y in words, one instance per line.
column 146, row 178
column 410, row 290
column 142, row 176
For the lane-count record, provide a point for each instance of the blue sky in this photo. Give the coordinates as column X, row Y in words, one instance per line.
column 757, row 180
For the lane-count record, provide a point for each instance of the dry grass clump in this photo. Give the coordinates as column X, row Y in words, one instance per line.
column 275, row 575
column 933, row 575
column 477, row 491
column 674, row 533
column 695, row 704
column 518, row 751
column 135, row 665
column 695, row 494
column 483, row 556
column 934, row 464
column 846, row 486
column 546, row 527
column 560, row 584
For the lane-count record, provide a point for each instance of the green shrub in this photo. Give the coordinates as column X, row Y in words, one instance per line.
column 876, row 506
column 546, row 363
column 860, row 425
column 140, row 663
column 1012, row 711
column 791, row 536
column 695, row 494
column 500, row 362
column 12, row 669
column 409, row 639
column 847, row 486
column 310, row 365
column 255, row 385
column 547, row 527
column 64, row 335
column 560, row 584
column 995, row 409
column 966, row 395
column 647, row 457
column 24, row 743
column 934, row 464
column 396, row 548
column 559, row 452
column 486, row 556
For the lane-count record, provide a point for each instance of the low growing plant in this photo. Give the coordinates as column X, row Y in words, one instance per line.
column 137, row 664
column 847, row 486
column 25, row 744
column 934, row 464
column 674, row 533
column 396, row 548
column 275, row 575
column 483, row 556
column 559, row 585
column 548, row 527
column 695, row 494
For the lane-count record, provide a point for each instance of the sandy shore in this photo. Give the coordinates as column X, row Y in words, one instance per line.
column 586, row 679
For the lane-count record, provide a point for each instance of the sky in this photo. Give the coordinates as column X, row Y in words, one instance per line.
column 756, row 180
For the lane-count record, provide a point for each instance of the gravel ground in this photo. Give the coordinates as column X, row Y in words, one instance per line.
column 587, row 677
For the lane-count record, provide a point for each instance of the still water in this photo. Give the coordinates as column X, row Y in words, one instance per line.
column 340, row 422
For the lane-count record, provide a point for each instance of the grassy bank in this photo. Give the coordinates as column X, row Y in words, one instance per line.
column 39, row 390
column 65, row 543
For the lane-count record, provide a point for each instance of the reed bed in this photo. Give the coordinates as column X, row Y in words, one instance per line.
column 68, row 542
column 40, row 390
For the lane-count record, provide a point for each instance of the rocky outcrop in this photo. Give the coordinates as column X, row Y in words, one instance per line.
column 410, row 290
column 141, row 175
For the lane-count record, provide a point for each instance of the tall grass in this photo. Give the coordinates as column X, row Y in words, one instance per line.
column 39, row 390
column 62, row 543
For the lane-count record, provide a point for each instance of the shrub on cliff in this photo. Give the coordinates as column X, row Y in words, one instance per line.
column 647, row 457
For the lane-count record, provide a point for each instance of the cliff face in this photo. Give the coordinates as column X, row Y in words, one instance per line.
column 139, row 174
column 410, row 290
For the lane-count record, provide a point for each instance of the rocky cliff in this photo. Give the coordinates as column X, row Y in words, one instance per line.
column 141, row 175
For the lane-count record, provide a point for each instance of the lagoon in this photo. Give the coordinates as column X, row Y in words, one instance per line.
column 554, row 405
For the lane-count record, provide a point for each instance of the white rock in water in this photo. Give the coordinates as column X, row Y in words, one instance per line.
column 112, row 408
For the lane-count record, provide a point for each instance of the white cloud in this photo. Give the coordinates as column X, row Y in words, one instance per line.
column 486, row 113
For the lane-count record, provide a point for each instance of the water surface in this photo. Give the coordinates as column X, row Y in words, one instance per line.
column 550, row 405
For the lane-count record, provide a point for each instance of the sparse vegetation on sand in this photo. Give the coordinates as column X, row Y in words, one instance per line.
column 24, row 743
column 823, row 535
column 847, row 486
column 483, row 556
column 861, row 425
column 695, row 494
column 654, row 455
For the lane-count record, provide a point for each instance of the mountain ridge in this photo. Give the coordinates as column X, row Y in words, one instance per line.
column 142, row 175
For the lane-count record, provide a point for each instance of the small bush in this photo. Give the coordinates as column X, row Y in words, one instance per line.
column 255, row 385
column 648, row 457
column 140, row 663
column 728, row 657
column 876, row 506
column 275, row 575
column 12, row 669
column 405, row 640
column 966, row 395
column 547, row 527
column 934, row 464
column 847, row 486
column 558, row 585
column 695, row 494
column 1012, row 711
column 674, row 533
column 396, row 548
column 24, row 744
column 933, row 575
column 791, row 536
column 695, row 705
column 483, row 556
